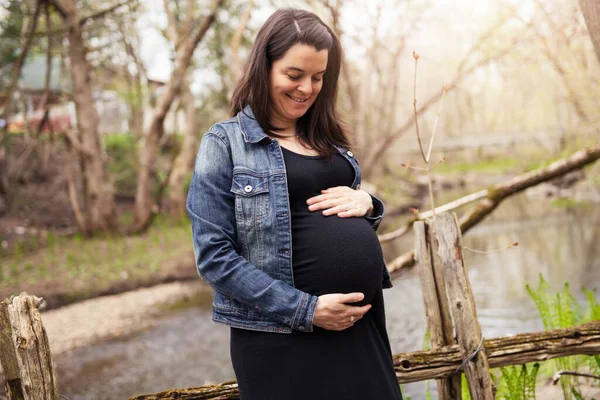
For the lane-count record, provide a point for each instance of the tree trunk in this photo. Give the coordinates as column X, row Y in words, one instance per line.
column 591, row 13
column 98, row 189
column 174, row 204
column 145, row 207
column 236, row 40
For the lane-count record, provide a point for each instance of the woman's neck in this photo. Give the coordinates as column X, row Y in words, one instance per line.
column 288, row 127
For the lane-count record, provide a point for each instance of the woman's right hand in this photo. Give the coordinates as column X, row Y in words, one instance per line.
column 334, row 314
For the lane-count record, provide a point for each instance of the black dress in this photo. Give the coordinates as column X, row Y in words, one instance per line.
column 329, row 255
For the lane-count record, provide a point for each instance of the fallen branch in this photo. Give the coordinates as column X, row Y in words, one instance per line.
column 499, row 192
column 453, row 205
column 443, row 362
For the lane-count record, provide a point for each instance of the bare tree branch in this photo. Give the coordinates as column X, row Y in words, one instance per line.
column 384, row 143
column 236, row 40
column 497, row 193
column 171, row 24
column 591, row 13
column 102, row 13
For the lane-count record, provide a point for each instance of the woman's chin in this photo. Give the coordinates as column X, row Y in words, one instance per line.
column 296, row 113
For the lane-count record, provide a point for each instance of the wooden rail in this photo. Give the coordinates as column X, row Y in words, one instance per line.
column 442, row 363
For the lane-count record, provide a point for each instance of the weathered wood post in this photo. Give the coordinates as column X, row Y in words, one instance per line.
column 448, row 245
column 24, row 350
column 437, row 310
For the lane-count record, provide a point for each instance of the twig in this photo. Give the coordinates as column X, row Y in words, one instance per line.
column 437, row 118
column 416, row 57
column 486, row 252
column 430, row 185
column 557, row 375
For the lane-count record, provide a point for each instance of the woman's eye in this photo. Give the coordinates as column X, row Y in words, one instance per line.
column 293, row 77
column 317, row 79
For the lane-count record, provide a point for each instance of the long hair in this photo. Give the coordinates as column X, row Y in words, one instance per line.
column 320, row 126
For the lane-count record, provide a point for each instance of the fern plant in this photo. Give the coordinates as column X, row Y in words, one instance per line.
column 562, row 310
column 518, row 383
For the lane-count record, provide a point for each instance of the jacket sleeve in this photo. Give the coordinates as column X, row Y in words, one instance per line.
column 377, row 213
column 211, row 209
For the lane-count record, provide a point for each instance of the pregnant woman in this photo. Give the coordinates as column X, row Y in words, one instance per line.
column 283, row 233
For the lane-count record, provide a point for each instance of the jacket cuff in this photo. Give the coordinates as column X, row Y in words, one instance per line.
column 377, row 213
column 387, row 279
column 303, row 321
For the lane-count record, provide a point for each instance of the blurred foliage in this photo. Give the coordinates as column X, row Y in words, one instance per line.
column 10, row 32
column 123, row 162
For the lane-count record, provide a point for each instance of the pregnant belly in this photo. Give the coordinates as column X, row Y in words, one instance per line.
column 336, row 255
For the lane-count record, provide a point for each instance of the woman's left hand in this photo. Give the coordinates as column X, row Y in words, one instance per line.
column 343, row 201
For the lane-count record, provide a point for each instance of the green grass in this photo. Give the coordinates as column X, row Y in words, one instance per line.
column 568, row 203
column 80, row 265
column 526, row 160
column 494, row 165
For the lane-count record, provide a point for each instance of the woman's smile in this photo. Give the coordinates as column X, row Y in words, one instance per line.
column 297, row 100
column 296, row 80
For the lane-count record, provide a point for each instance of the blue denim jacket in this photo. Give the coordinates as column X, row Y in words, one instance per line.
column 239, row 208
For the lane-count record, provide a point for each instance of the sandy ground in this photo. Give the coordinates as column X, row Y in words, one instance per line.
column 114, row 316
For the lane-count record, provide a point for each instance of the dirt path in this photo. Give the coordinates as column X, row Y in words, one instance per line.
column 116, row 316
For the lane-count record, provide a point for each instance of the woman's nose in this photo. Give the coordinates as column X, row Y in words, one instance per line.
column 305, row 86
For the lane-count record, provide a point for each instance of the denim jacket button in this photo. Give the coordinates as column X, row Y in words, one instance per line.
column 350, row 153
column 248, row 189
column 301, row 328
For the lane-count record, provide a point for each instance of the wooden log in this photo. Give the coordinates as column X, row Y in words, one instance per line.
column 32, row 351
column 441, row 363
column 504, row 351
column 222, row 391
column 436, row 304
column 8, row 356
column 462, row 303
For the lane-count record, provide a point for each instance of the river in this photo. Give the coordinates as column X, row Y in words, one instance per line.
column 184, row 348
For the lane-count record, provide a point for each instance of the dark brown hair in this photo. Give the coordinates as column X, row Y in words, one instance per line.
column 320, row 126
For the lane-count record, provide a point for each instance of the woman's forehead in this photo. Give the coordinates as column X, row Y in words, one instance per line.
column 304, row 58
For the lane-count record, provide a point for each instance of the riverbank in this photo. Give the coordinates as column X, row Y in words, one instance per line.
column 65, row 270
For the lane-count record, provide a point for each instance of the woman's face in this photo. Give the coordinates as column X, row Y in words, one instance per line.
column 296, row 80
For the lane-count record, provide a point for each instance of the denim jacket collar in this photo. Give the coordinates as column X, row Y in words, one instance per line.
column 253, row 132
column 251, row 129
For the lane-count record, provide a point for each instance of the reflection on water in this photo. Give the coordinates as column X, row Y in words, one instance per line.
column 187, row 349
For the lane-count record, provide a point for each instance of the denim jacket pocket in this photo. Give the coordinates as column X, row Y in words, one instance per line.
column 247, row 184
column 251, row 191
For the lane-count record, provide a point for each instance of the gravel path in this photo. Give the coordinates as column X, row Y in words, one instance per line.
column 114, row 316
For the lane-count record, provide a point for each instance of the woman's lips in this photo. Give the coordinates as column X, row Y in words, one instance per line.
column 297, row 99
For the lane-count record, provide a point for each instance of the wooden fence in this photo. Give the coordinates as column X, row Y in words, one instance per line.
column 457, row 342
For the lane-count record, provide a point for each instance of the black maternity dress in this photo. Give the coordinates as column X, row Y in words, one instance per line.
column 329, row 255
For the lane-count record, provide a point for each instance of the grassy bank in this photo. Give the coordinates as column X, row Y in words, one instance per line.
column 68, row 269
